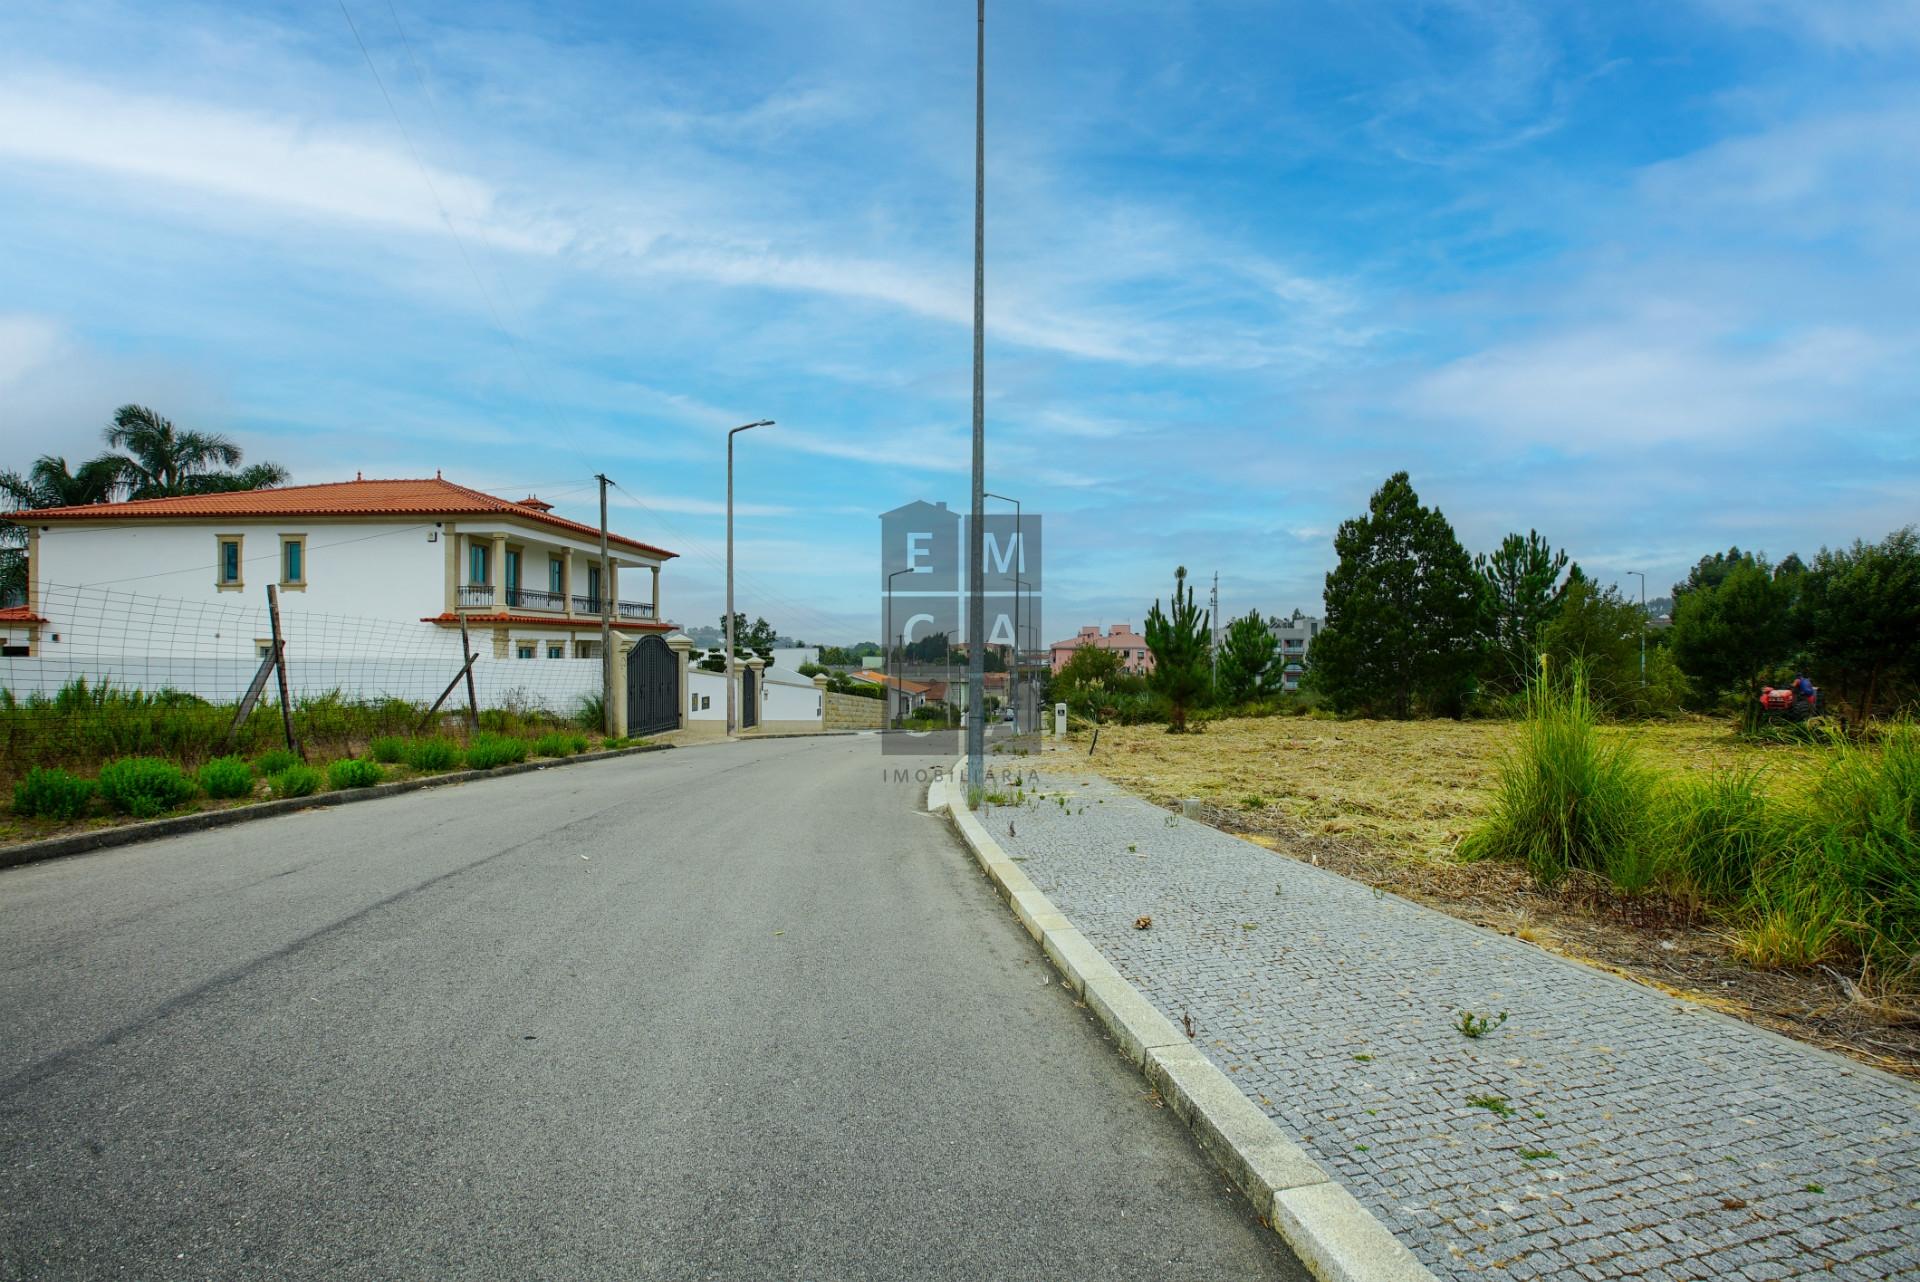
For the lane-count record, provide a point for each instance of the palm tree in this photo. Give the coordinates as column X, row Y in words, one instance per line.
column 162, row 460
column 49, row 483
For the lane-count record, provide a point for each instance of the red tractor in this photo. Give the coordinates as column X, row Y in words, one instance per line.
column 1793, row 704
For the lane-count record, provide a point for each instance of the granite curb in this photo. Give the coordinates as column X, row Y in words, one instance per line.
column 1336, row 1237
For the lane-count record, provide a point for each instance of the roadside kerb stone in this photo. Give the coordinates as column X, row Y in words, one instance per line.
column 80, row 843
column 1337, row 1238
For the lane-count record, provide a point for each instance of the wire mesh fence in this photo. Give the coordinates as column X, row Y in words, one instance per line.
column 93, row 673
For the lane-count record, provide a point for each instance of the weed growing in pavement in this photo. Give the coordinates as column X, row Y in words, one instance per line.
column 1363, row 1059
column 1495, row 1104
column 1537, row 1154
column 1474, row 1024
column 1132, row 847
column 1249, row 925
column 1816, row 1188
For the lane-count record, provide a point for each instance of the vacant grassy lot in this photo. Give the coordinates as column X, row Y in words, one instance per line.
column 1387, row 802
column 1413, row 787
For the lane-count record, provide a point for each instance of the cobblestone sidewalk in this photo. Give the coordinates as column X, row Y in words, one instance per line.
column 1604, row 1130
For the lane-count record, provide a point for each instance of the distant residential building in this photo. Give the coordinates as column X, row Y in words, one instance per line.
column 1295, row 636
column 1132, row 648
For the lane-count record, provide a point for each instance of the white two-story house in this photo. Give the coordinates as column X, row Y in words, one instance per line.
column 426, row 554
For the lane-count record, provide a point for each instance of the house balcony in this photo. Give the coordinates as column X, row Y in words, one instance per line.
column 474, row 596
column 535, row 599
column 590, row 605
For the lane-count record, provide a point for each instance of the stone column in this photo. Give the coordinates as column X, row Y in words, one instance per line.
column 656, row 592
column 820, row 687
column 497, row 571
column 622, row 646
column 682, row 646
column 566, row 580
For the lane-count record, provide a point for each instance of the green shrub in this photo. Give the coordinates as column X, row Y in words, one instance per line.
column 51, row 794
column 349, row 773
column 580, row 742
column 296, row 781
column 591, row 712
column 143, row 786
column 490, row 750
column 273, row 761
column 1567, row 799
column 615, row 743
column 430, row 756
column 226, row 777
column 554, row 745
column 388, row 749
column 1722, row 829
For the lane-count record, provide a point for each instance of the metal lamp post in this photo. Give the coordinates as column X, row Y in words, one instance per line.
column 886, row 655
column 745, row 427
column 1643, row 624
column 976, row 631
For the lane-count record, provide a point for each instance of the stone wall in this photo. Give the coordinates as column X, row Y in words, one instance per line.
column 851, row 712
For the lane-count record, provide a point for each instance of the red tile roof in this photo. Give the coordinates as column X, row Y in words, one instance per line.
column 577, row 624
column 19, row 614
column 429, row 497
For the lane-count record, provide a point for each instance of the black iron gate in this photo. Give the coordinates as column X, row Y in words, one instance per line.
column 749, row 699
column 653, row 687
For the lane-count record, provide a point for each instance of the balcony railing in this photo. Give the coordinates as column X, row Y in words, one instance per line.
column 535, row 599
column 472, row 595
column 621, row 609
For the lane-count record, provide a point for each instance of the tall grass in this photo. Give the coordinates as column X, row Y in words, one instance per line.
column 1569, row 799
column 1829, row 875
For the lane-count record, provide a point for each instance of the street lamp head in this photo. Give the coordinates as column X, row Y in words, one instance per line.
column 744, row 427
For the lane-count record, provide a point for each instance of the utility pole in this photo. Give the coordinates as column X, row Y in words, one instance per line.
column 976, row 558
column 1643, row 624
column 606, row 615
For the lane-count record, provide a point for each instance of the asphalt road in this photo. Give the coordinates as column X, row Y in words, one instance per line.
column 738, row 1011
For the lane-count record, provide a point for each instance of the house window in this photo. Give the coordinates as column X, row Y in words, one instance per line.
column 293, row 560
column 693, row 704
column 585, row 649
column 524, row 650
column 556, row 574
column 479, row 563
column 593, row 585
column 513, row 570
column 262, row 647
column 227, row 577
column 555, row 650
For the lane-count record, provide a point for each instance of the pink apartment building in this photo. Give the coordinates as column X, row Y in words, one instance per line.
column 1132, row 647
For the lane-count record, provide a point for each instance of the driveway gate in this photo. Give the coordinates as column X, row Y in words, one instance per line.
column 653, row 687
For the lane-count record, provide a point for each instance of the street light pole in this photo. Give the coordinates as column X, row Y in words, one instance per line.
column 886, row 655
column 976, row 584
column 1019, row 564
column 745, row 427
column 606, row 615
column 1643, row 624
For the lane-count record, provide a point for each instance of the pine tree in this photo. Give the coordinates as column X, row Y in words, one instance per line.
column 1406, row 613
column 1247, row 669
column 1180, row 643
column 1523, row 582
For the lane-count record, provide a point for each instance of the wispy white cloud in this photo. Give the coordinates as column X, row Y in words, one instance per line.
column 1852, row 25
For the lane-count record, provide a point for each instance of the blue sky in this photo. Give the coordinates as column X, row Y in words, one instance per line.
column 1640, row 275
